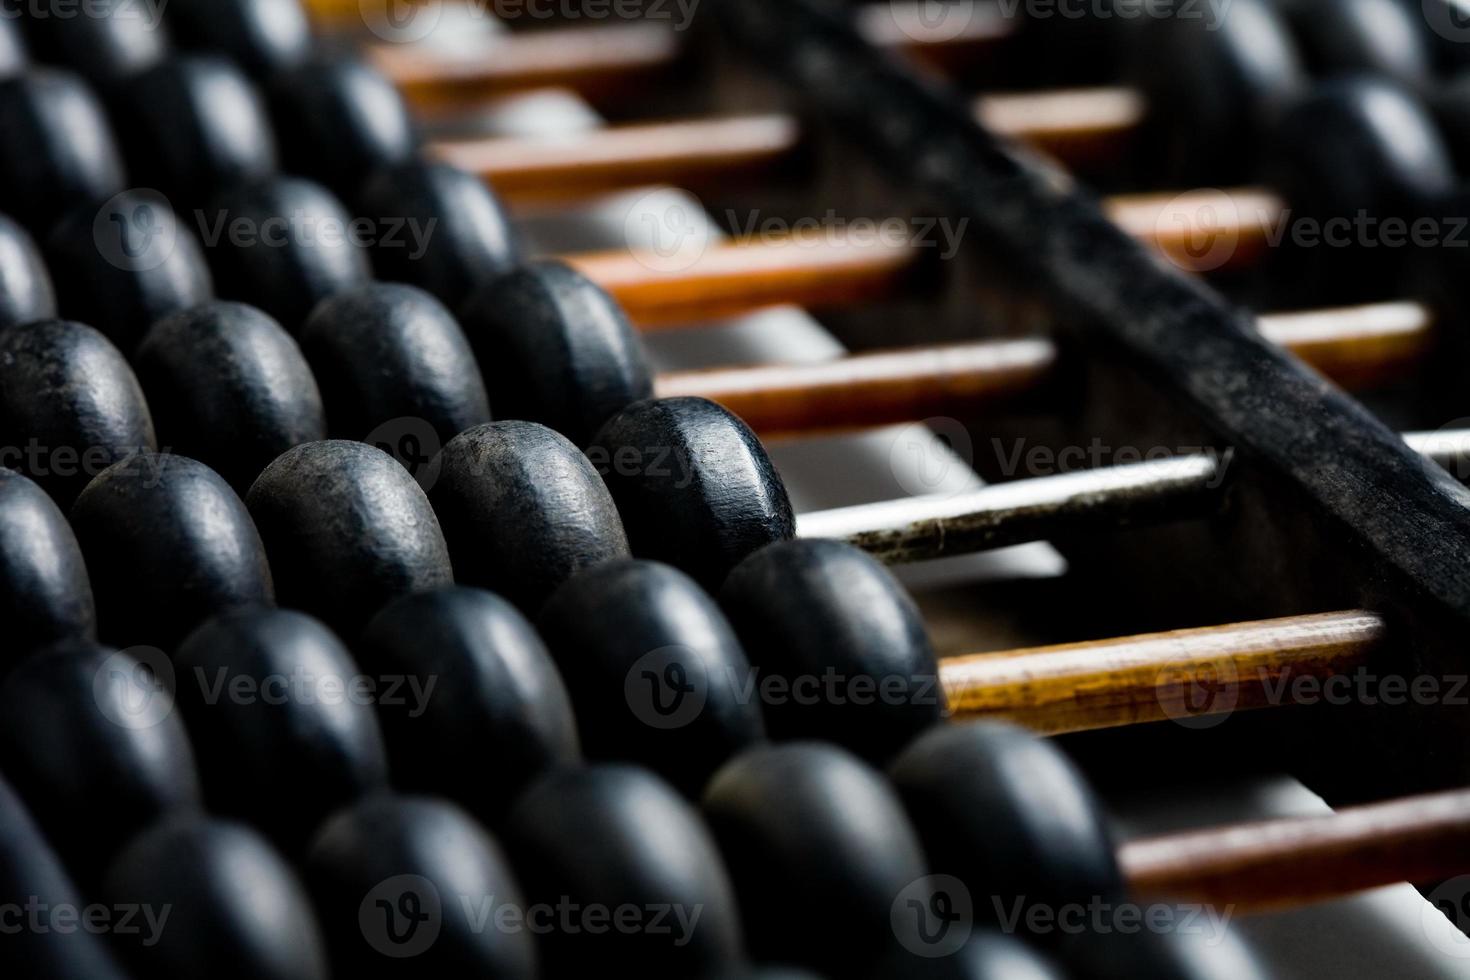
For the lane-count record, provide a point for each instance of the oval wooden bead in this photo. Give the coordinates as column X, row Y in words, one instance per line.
column 28, row 866
column 830, row 620
column 230, row 388
column 455, row 234
column 194, row 127
column 124, row 265
column 383, row 352
column 1385, row 38
column 524, row 510
column 282, row 245
column 607, row 837
column 69, row 405
column 282, row 739
column 476, row 676
column 59, row 149
column 1008, row 814
column 45, row 594
column 236, row 909
column 339, row 120
column 26, row 293
column 416, row 857
column 91, row 742
column 818, row 846
column 655, row 671
column 110, row 41
column 168, row 545
column 556, row 349
column 694, row 485
column 347, row 530
column 261, row 36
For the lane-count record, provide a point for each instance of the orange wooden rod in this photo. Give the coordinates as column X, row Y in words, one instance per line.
column 1356, row 346
column 1273, row 864
column 1179, row 674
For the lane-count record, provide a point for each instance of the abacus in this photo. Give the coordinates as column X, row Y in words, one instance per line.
column 384, row 606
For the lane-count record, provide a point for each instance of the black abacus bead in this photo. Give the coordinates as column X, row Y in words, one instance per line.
column 819, row 848
column 556, row 349
column 831, row 621
column 283, row 245
column 524, row 510
column 284, row 730
column 485, row 684
column 1376, row 37
column 108, row 42
column 453, row 234
column 340, row 120
column 29, row 867
column 1009, row 815
column 608, row 837
column 229, row 387
column 45, row 594
column 125, row 264
column 385, row 351
column 656, row 673
column 422, row 862
column 1184, row 950
column 69, row 405
column 236, row 911
column 261, row 36
column 14, row 57
column 26, row 293
column 1451, row 106
column 694, row 485
column 168, row 545
column 347, row 530
column 58, row 147
column 1215, row 88
column 194, row 127
column 92, row 744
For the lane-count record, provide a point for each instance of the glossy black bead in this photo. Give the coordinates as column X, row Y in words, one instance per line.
column 14, row 57
column 347, row 530
column 1214, row 86
column 282, row 245
column 694, row 485
column 26, row 293
column 655, row 671
column 383, row 352
column 453, row 233
column 109, row 41
column 230, row 388
column 475, row 676
column 844, row 638
column 818, row 846
column 1451, row 106
column 45, row 594
column 1190, row 946
column 556, row 349
column 125, row 264
column 608, row 837
column 981, row 954
column 29, row 867
column 194, row 127
column 281, row 718
column 58, row 147
column 69, row 405
column 1009, row 815
column 524, row 510
column 340, row 120
column 236, row 911
column 91, row 741
column 1385, row 38
column 261, row 36
column 168, row 545
column 431, row 873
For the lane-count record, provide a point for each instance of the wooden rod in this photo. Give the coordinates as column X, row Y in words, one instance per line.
column 1356, row 346
column 1078, row 127
column 1272, row 864
column 1181, row 674
column 1202, row 230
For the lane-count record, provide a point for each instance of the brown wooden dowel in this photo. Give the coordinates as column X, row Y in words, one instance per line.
column 1202, row 230
column 1257, row 867
column 1179, row 674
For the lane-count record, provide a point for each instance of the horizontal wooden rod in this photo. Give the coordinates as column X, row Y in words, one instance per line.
column 1181, row 674
column 1289, row 862
column 1073, row 126
column 1355, row 346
